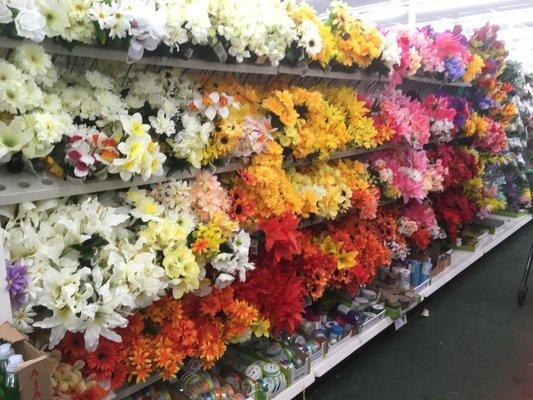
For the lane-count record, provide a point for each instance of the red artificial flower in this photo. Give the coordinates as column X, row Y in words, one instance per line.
column 277, row 293
column 421, row 238
column 118, row 376
column 282, row 236
column 73, row 346
column 104, row 359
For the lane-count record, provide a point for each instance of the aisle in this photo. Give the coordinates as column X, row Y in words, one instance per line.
column 476, row 344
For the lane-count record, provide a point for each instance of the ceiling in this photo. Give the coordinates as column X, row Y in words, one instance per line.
column 514, row 16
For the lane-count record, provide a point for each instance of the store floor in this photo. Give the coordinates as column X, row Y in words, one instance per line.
column 477, row 344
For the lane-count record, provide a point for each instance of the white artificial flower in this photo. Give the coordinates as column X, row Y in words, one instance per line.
column 100, row 12
column 139, row 273
column 56, row 17
column 117, row 21
column 390, row 52
column 145, row 207
column 98, row 80
column 6, row 16
column 21, row 4
column 13, row 137
column 141, row 157
column 23, row 318
column 216, row 104
column 32, row 59
column 147, row 30
column 233, row 264
column 133, row 125
column 30, row 24
column 198, row 22
column 100, row 318
column 47, row 129
column 51, row 103
column 9, row 73
column 12, row 98
column 310, row 38
column 162, row 124
column 190, row 142
column 79, row 9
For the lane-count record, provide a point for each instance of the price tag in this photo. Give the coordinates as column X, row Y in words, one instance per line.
column 398, row 323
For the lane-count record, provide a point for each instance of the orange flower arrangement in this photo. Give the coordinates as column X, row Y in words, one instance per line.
column 158, row 338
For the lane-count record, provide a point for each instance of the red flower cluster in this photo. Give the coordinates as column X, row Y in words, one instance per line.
column 453, row 208
column 462, row 165
column 277, row 293
column 281, row 236
column 104, row 364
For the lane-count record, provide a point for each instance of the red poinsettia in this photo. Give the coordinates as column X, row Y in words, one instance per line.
column 281, row 236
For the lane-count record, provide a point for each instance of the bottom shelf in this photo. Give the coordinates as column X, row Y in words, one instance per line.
column 461, row 260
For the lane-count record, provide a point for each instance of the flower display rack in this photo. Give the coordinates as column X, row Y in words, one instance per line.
column 202, row 65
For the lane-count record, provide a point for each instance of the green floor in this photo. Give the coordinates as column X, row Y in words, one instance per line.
column 476, row 344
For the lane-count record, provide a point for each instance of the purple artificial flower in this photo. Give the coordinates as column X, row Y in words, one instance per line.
column 453, row 69
column 17, row 282
column 484, row 103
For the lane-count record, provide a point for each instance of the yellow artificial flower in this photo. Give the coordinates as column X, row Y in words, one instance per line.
column 182, row 270
column 473, row 68
column 261, row 327
column 207, row 239
column 280, row 103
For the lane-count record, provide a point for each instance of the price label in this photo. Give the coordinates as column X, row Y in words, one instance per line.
column 398, row 323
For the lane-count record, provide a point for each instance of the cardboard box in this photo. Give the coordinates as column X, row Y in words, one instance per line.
column 34, row 373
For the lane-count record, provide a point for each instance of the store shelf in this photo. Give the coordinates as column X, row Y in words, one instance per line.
column 437, row 82
column 297, row 388
column 349, row 347
column 27, row 186
column 128, row 390
column 101, row 53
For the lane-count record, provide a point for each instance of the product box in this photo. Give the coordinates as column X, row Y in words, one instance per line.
column 345, row 338
column 34, row 373
column 235, row 361
column 307, row 335
column 291, row 372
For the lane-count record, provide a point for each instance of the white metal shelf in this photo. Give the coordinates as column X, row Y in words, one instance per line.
column 108, row 54
column 128, row 390
column 27, row 186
